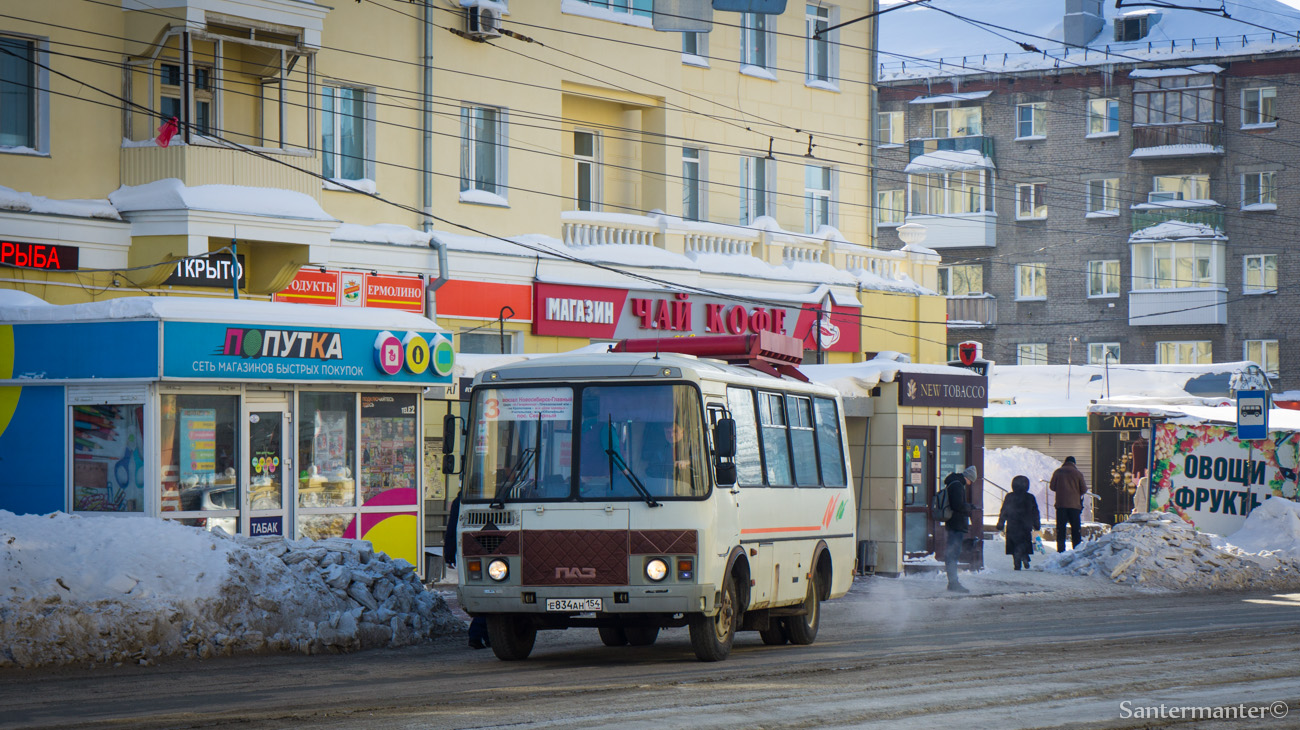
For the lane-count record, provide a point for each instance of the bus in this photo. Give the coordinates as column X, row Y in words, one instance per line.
column 636, row 491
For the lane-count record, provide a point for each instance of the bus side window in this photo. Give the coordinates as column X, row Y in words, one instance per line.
column 802, row 443
column 749, row 461
column 829, row 443
column 776, row 449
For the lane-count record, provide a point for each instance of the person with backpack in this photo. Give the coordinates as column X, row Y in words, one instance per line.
column 1020, row 517
column 955, row 511
column 478, row 634
column 1070, row 487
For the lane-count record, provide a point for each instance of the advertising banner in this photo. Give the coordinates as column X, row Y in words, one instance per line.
column 1204, row 473
column 601, row 313
column 354, row 289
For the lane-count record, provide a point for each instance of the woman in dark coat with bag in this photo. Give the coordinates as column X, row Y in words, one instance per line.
column 1020, row 517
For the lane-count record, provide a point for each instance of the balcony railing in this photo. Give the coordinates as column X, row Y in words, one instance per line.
column 973, row 311
column 208, row 164
column 1211, row 216
column 1166, row 135
column 1159, row 307
column 918, row 147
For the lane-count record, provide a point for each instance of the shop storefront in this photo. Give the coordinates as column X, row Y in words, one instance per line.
column 255, row 417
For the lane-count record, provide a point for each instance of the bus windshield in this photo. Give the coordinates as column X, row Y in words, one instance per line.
column 632, row 442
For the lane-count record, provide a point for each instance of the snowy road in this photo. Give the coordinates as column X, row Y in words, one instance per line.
column 896, row 654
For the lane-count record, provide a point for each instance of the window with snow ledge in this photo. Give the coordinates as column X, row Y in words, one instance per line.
column 822, row 48
column 1259, row 191
column 364, row 185
column 822, row 85
column 627, row 12
column 1102, row 135
column 1032, row 138
column 25, row 107
column 758, row 72
column 480, row 197
column 483, row 149
column 695, row 49
column 756, row 45
column 1259, row 206
column 347, row 133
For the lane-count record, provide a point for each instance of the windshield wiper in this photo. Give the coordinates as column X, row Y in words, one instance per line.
column 632, row 478
column 514, row 478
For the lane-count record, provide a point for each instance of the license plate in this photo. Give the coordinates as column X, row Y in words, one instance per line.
column 574, row 604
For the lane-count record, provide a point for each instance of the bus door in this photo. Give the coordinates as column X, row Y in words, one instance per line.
column 918, row 491
column 726, row 499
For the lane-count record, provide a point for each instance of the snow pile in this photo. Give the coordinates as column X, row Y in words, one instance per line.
column 1273, row 528
column 1159, row 549
column 21, row 202
column 112, row 589
column 1001, row 465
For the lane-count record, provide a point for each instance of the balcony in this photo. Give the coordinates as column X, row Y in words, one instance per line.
column 963, row 230
column 970, row 312
column 1158, row 307
column 918, row 147
column 1153, row 214
column 1177, row 140
column 205, row 164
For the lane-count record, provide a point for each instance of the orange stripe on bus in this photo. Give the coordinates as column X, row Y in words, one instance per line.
column 780, row 529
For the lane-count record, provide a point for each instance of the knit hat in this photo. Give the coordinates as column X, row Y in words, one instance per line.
column 1069, row 459
column 971, row 473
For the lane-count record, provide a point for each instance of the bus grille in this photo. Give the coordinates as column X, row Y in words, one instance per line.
column 480, row 518
column 574, row 557
column 489, row 543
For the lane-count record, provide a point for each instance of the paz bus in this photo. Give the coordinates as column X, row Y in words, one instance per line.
column 643, row 489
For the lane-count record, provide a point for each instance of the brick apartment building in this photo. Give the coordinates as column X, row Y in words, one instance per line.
column 1122, row 193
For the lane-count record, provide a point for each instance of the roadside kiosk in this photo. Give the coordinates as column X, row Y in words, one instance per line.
column 256, row 417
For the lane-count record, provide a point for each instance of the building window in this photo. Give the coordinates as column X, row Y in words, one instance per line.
column 19, row 92
column 889, row 207
column 692, row 184
column 486, row 343
column 1098, row 352
column 961, row 280
column 170, row 98
column 756, row 174
column 889, row 128
column 1174, row 265
column 755, row 40
column 695, row 48
column 1177, row 100
column 948, row 193
column 199, row 459
column 1031, row 281
column 819, row 206
column 1257, row 107
column 957, row 122
column 821, row 48
column 1263, row 353
column 343, row 141
column 586, row 163
column 108, row 457
column 1103, row 278
column 1199, row 352
column 1259, row 191
column 1259, row 273
column 1181, row 187
column 1031, row 201
column 643, row 8
column 1103, row 196
column 1031, row 353
column 1031, row 120
column 483, row 150
column 1103, row 116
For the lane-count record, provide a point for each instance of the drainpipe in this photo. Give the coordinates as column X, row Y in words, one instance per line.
column 426, row 168
column 873, row 122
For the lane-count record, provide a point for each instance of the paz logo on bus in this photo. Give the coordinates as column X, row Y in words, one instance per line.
column 563, row 573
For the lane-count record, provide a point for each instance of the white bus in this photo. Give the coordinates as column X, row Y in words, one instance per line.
column 593, row 495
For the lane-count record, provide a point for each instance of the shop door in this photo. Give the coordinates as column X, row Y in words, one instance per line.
column 954, row 457
column 918, row 491
column 268, row 464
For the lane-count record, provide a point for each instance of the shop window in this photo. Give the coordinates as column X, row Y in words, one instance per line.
column 749, row 463
column 108, row 458
column 388, row 458
column 200, row 458
column 326, row 452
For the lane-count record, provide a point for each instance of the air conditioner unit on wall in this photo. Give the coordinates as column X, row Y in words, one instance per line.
column 1164, row 196
column 482, row 23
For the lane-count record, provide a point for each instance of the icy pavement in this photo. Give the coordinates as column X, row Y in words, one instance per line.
column 116, row 588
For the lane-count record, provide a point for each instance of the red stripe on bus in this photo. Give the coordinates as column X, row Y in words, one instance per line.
column 780, row 529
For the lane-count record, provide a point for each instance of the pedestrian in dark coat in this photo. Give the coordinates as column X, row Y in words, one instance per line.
column 1069, row 485
column 1020, row 517
column 478, row 634
column 957, row 526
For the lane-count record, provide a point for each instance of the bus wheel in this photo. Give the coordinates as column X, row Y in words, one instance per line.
column 612, row 636
column 512, row 637
column 775, row 634
column 711, row 636
column 803, row 629
column 641, row 635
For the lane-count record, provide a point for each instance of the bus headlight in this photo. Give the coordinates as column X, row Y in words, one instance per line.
column 498, row 570
column 656, row 569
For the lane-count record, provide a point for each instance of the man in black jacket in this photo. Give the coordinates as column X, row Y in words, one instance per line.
column 959, row 523
column 478, row 635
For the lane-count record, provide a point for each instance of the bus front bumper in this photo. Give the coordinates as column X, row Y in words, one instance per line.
column 667, row 599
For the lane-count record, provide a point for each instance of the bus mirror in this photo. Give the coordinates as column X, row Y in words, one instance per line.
column 909, row 494
column 724, row 439
column 449, row 434
column 725, row 472
column 448, row 463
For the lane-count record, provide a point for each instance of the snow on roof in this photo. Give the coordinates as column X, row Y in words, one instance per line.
column 944, row 98
column 855, row 380
column 1177, row 231
column 21, row 202
column 914, row 39
column 1152, row 73
column 1279, row 419
column 210, row 309
column 172, row 194
column 381, row 233
column 1177, row 150
column 944, row 160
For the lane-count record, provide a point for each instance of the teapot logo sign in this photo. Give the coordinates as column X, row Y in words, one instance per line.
column 828, row 334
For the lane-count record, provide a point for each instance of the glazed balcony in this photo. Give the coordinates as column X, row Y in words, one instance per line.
column 1153, row 214
column 1177, row 140
column 918, row 147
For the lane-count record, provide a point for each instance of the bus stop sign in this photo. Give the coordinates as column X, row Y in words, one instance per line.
column 1252, row 415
